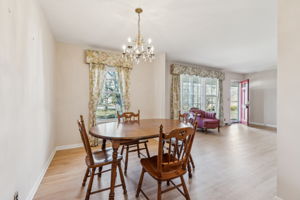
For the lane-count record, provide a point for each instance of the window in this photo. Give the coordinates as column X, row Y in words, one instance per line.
column 211, row 95
column 111, row 98
column 199, row 92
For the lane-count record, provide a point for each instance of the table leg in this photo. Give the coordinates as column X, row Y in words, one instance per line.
column 103, row 147
column 115, row 146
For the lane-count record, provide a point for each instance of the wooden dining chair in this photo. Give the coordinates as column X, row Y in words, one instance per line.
column 184, row 117
column 97, row 159
column 132, row 146
column 171, row 164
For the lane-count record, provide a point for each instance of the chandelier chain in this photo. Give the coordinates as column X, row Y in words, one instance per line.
column 139, row 29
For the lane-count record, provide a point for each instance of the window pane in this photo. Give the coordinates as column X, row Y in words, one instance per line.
column 111, row 100
column 234, row 93
column 211, row 91
column 199, row 92
column 211, row 104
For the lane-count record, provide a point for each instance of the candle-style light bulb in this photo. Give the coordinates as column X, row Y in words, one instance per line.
column 129, row 39
column 149, row 41
column 124, row 48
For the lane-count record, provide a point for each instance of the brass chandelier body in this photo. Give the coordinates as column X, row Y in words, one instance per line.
column 137, row 49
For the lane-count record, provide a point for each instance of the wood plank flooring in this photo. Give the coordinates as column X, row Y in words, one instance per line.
column 238, row 164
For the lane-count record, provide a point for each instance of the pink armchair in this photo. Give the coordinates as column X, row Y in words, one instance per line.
column 205, row 120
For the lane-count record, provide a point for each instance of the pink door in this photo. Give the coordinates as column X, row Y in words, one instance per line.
column 244, row 102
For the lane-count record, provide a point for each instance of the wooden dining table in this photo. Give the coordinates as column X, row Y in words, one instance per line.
column 119, row 133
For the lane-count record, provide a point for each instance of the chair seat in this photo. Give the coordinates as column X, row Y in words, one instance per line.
column 102, row 157
column 150, row 165
column 210, row 123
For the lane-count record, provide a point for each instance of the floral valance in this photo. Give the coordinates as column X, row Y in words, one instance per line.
column 177, row 69
column 107, row 58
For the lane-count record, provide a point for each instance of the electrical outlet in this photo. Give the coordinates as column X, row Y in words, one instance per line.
column 16, row 196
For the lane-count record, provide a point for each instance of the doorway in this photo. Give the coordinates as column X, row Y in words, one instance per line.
column 234, row 101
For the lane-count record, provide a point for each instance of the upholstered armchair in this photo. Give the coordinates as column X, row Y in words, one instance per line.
column 205, row 120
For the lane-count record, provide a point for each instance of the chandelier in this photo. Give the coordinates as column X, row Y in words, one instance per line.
column 137, row 49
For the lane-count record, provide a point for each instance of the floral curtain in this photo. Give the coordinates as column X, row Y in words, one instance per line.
column 175, row 96
column 97, row 61
column 124, row 77
column 196, row 70
column 177, row 69
column 96, row 76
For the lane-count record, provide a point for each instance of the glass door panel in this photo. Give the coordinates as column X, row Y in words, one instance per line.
column 234, row 102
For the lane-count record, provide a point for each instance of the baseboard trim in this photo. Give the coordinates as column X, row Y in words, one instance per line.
column 277, row 198
column 41, row 176
column 256, row 123
column 262, row 124
column 46, row 166
column 70, row 146
column 271, row 125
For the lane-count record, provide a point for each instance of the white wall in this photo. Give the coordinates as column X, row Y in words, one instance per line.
column 72, row 92
column 26, row 96
column 72, row 88
column 147, row 88
column 168, row 82
column 263, row 97
column 288, row 142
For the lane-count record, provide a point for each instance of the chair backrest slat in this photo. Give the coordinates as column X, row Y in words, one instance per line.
column 128, row 116
column 179, row 147
column 85, row 139
column 183, row 117
column 186, row 117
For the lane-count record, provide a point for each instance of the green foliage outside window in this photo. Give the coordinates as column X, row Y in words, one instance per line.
column 111, row 98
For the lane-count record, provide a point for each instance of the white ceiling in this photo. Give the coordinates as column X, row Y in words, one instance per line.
column 236, row 35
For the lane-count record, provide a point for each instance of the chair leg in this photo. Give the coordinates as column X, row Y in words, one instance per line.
column 122, row 150
column 122, row 178
column 100, row 171
column 186, row 192
column 192, row 161
column 126, row 160
column 147, row 150
column 85, row 176
column 168, row 182
column 189, row 169
column 158, row 190
column 218, row 129
column 138, row 150
column 140, row 183
column 88, row 192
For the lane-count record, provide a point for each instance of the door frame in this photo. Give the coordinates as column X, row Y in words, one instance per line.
column 242, row 102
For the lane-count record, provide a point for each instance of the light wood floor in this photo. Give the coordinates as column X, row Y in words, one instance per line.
column 239, row 164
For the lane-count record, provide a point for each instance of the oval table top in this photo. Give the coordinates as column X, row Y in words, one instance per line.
column 144, row 129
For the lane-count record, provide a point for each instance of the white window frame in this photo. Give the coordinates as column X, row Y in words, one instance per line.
column 203, row 97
